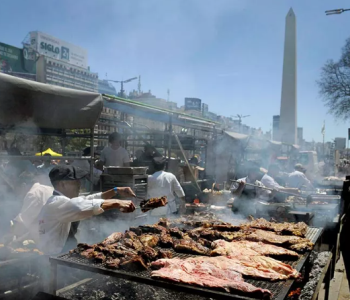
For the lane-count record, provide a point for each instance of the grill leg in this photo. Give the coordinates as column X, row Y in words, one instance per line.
column 328, row 280
column 53, row 278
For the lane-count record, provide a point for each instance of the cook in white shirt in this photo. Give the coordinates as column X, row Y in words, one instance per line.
column 161, row 184
column 65, row 206
column 115, row 155
column 297, row 179
column 26, row 222
column 269, row 181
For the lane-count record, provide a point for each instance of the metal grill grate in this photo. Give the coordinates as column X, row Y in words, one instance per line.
column 278, row 289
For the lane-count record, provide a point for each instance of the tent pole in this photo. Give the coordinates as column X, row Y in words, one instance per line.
column 92, row 154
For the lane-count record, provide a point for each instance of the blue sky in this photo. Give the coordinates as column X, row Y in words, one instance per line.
column 229, row 53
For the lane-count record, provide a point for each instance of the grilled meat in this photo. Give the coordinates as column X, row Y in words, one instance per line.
column 297, row 229
column 204, row 242
column 151, row 229
column 291, row 242
column 165, row 254
column 112, row 263
column 190, row 246
column 208, row 234
column 248, row 248
column 149, row 254
column 133, row 244
column 130, row 235
column 94, row 255
column 113, row 238
column 203, row 273
column 226, row 227
column 149, row 240
column 137, row 230
column 166, row 240
column 164, row 222
column 176, row 232
column 133, row 263
column 230, row 236
column 152, row 203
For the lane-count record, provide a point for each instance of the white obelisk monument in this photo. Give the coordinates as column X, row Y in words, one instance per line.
column 288, row 113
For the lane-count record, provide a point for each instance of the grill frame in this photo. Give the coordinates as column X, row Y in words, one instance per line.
column 279, row 289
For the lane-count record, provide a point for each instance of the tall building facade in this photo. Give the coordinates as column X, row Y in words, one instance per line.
column 288, row 113
column 61, row 63
column 276, row 128
column 300, row 135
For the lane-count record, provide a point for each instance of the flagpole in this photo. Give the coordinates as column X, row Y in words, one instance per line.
column 324, row 130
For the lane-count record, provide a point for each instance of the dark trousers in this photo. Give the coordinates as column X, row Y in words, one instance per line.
column 345, row 247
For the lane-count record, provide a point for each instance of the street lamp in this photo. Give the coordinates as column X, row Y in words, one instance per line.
column 122, row 84
column 336, row 11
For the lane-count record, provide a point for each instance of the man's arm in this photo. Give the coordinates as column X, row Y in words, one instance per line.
column 122, row 191
column 237, row 190
column 177, row 188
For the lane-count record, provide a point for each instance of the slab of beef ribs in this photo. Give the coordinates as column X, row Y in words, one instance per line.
column 201, row 272
column 150, row 240
column 165, row 254
column 297, row 229
column 152, row 203
column 166, row 241
column 94, row 255
column 221, row 247
column 226, row 227
column 190, row 246
column 133, row 263
column 291, row 242
column 150, row 229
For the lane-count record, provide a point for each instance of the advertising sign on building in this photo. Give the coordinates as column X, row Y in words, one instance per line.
column 205, row 110
column 55, row 48
column 193, row 104
column 14, row 62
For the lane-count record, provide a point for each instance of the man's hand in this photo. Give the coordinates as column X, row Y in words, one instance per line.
column 241, row 186
column 125, row 206
column 125, row 192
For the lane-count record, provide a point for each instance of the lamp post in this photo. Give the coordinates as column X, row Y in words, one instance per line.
column 122, row 84
column 336, row 11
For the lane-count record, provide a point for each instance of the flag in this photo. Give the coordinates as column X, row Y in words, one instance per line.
column 323, row 131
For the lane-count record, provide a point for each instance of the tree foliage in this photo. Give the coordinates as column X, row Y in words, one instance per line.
column 334, row 84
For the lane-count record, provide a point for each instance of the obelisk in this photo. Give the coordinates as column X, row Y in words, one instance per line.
column 288, row 113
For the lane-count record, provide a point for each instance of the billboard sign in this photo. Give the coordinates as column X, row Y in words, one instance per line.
column 205, row 110
column 55, row 48
column 14, row 62
column 193, row 104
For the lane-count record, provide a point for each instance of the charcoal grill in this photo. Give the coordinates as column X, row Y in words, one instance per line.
column 278, row 289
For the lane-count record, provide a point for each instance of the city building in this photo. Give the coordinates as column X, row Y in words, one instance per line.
column 300, row 136
column 105, row 87
column 288, row 112
column 276, row 128
column 340, row 143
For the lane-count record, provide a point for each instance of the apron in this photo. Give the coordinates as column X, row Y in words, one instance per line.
column 71, row 242
column 245, row 204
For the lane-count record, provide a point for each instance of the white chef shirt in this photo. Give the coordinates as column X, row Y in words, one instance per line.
column 161, row 184
column 33, row 202
column 271, row 183
column 261, row 193
column 298, row 179
column 114, row 158
column 56, row 216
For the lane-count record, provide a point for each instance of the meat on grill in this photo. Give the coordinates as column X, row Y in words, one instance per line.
column 291, row 242
column 297, row 229
column 221, row 247
column 92, row 254
column 190, row 246
column 149, row 240
column 176, row 232
column 132, row 263
column 149, row 254
column 165, row 254
column 226, row 227
column 112, row 263
column 149, row 229
column 113, row 238
column 200, row 271
column 152, row 203
column 166, row 240
column 164, row 222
